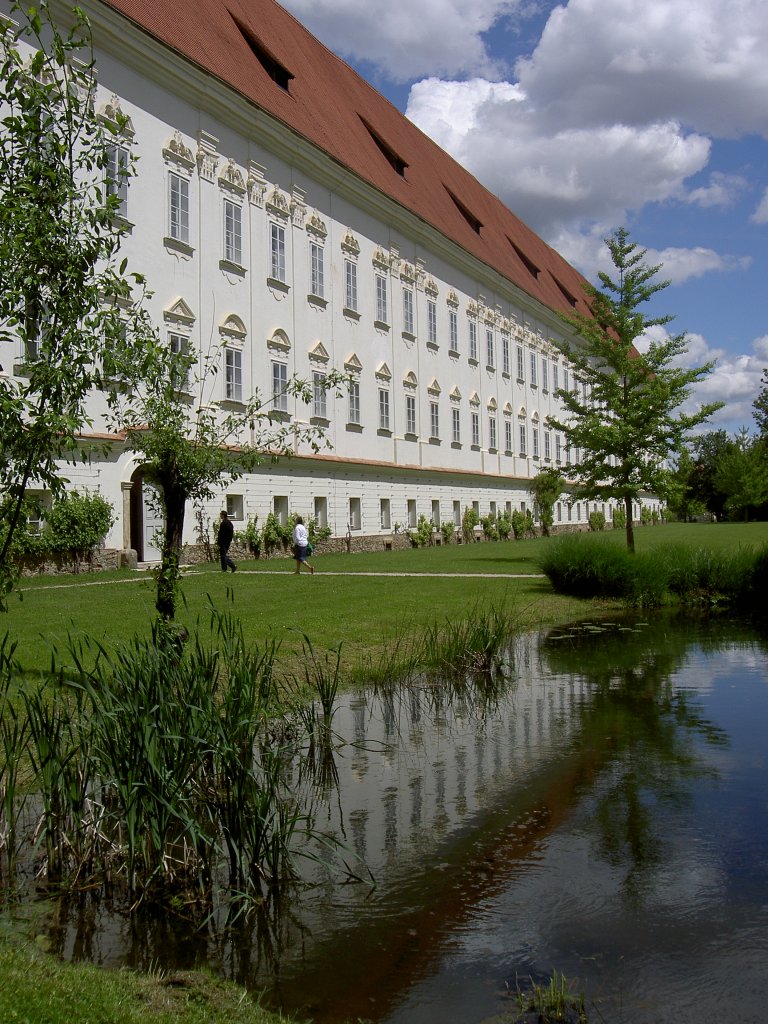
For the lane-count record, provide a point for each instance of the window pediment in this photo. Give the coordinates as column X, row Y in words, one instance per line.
column 434, row 388
column 319, row 353
column 179, row 313
column 178, row 152
column 279, row 340
column 474, row 398
column 232, row 327
column 232, row 178
column 353, row 364
column 456, row 394
column 410, row 380
column 384, row 372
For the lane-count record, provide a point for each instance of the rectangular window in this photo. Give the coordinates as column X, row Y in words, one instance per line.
column 354, row 514
column 116, row 177
column 410, row 414
column 457, row 513
column 385, row 514
column 316, row 270
column 179, row 346
column 505, row 360
column 277, row 252
column 555, row 377
column 453, row 328
column 354, row 402
column 535, row 442
column 565, row 378
column 279, row 385
column 436, row 514
column 523, row 440
column 383, row 409
column 476, row 429
column 472, row 340
column 456, row 421
column 321, row 511
column 382, row 311
column 431, row 321
column 233, row 233
column 492, row 432
column 558, row 448
column 490, row 354
column 319, row 395
column 544, row 374
column 408, row 321
column 178, row 208
column 533, row 370
column 235, row 507
column 233, row 360
column 350, row 285
column 434, row 422
column 411, row 512
column 520, row 363
column 547, row 444
column 507, row 436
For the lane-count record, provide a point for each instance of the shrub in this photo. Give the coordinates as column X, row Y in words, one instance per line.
column 586, row 567
column 422, row 535
column 76, row 523
column 596, row 521
column 447, row 529
column 619, row 518
column 488, row 523
column 469, row 521
column 522, row 523
column 504, row 524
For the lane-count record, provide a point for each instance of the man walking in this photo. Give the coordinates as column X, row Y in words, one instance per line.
column 224, row 539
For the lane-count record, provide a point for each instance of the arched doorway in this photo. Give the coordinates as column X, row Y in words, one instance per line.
column 146, row 518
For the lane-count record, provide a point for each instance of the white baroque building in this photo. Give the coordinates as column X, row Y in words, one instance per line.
column 287, row 215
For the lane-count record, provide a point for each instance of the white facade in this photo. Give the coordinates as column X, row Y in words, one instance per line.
column 256, row 243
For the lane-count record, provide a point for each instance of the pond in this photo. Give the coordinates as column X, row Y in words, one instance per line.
column 604, row 814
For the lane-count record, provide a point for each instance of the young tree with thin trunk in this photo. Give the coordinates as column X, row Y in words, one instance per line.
column 162, row 403
column 59, row 238
column 546, row 488
column 624, row 416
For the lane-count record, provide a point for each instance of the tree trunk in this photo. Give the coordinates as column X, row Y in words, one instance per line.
column 630, row 527
column 174, row 504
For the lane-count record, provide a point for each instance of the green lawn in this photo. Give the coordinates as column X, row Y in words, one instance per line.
column 362, row 612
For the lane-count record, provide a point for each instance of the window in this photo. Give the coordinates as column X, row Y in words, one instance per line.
column 567, row 454
column 408, row 321
column 558, row 448
column 321, row 511
column 533, row 369
column 279, row 385
column 316, row 270
column 383, row 409
column 354, row 402
column 523, row 439
column 507, row 436
column 436, row 514
column 492, row 432
column 506, row 365
column 411, row 512
column 472, row 340
column 547, row 445
column 476, row 429
column 116, row 177
column 350, row 285
column 179, row 346
column 431, row 321
column 555, row 377
column 544, row 374
column 233, row 233
column 382, row 312
column 385, row 513
column 235, row 507
column 456, row 420
column 410, row 414
column 535, row 442
column 520, row 363
column 453, row 330
column 457, row 513
column 434, row 420
column 178, row 208
column 233, row 377
column 354, row 513
column 490, row 354
column 565, row 378
column 319, row 395
column 277, row 252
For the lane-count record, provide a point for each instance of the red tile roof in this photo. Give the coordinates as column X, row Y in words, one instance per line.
column 333, row 107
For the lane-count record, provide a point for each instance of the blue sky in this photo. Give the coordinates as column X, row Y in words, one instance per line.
column 592, row 114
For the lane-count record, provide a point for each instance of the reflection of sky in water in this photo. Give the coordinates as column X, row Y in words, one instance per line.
column 616, row 832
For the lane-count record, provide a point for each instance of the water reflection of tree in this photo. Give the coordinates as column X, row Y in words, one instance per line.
column 650, row 728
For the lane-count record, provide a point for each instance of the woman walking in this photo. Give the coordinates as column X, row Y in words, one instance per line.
column 301, row 549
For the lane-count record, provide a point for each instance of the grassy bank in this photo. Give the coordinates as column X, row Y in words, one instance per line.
column 340, row 604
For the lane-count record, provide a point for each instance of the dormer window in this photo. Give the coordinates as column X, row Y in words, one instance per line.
column 529, row 265
column 279, row 74
column 474, row 222
column 395, row 161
